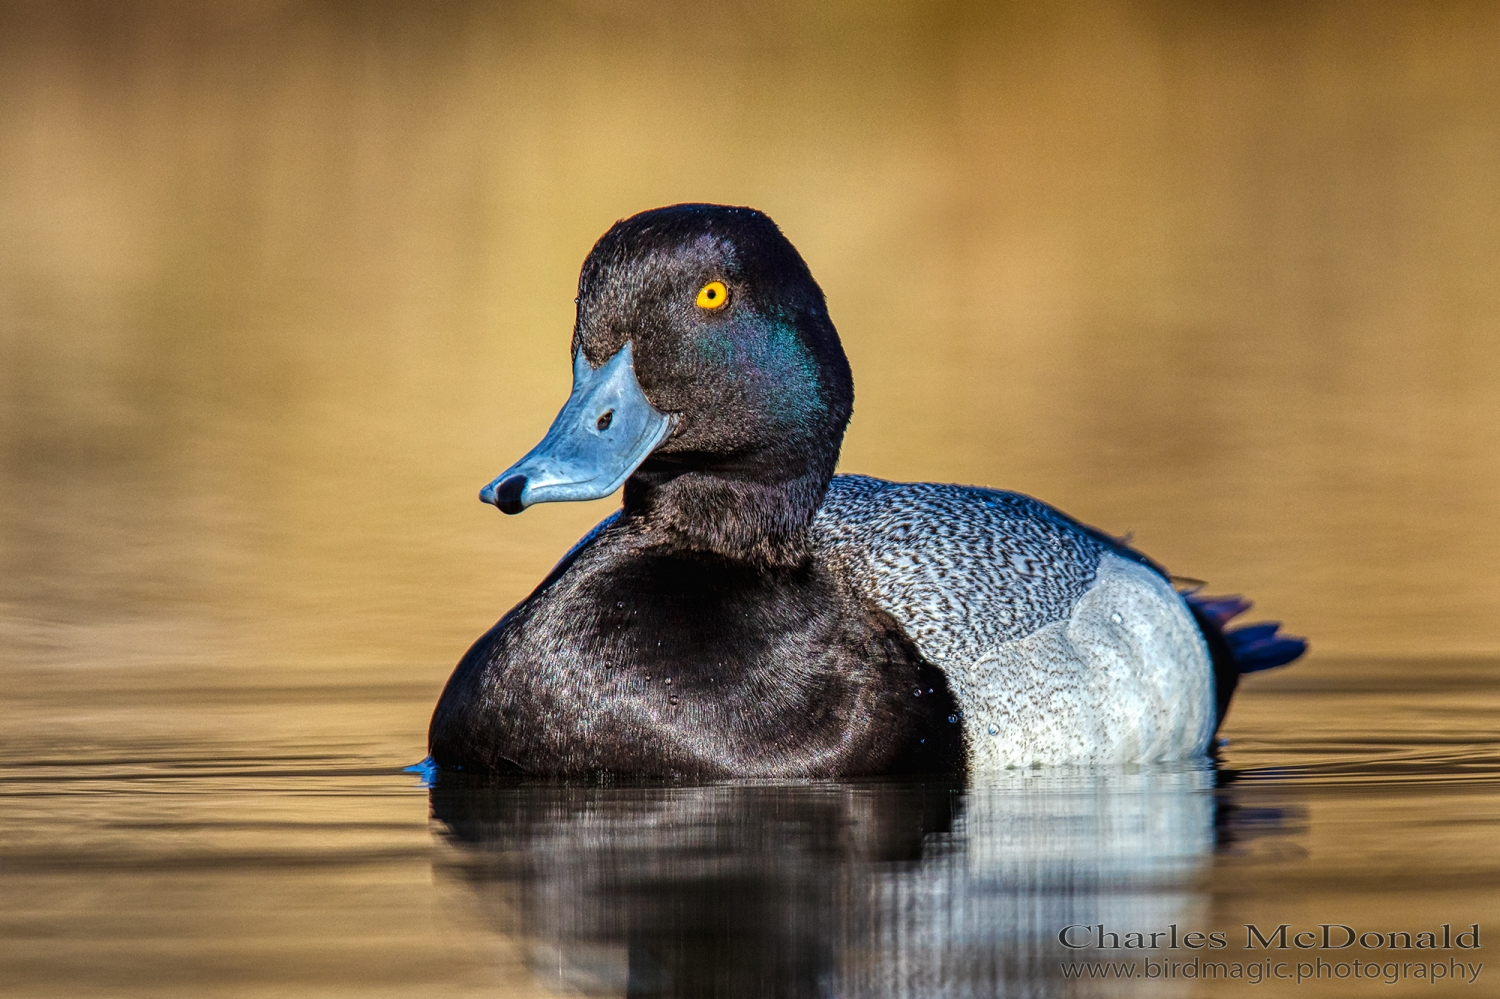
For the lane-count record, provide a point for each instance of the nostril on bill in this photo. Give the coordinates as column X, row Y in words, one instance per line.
column 508, row 496
column 605, row 420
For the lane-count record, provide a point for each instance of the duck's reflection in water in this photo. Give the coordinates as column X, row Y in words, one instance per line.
column 837, row 889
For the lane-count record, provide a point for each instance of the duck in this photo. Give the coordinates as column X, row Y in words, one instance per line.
column 748, row 613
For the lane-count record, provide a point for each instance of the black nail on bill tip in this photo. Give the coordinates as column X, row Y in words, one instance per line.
column 508, row 496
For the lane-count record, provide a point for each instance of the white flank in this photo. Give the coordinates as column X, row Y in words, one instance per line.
column 1125, row 678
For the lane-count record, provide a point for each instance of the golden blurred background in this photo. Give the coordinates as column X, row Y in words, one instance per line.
column 282, row 285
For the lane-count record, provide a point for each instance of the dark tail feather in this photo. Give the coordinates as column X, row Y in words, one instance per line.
column 1248, row 649
column 1258, row 646
column 1221, row 610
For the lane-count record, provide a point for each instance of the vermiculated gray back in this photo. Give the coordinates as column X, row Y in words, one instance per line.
column 1060, row 647
column 964, row 569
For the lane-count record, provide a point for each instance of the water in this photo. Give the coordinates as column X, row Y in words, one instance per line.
column 243, row 859
column 282, row 286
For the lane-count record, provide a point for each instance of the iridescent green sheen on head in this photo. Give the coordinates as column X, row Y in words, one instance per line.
column 769, row 358
column 752, row 375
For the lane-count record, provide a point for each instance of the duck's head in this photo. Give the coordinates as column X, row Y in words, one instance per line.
column 707, row 378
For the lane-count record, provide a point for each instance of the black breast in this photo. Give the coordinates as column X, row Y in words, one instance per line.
column 641, row 658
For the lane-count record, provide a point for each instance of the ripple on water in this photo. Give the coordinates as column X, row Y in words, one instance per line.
column 1348, row 792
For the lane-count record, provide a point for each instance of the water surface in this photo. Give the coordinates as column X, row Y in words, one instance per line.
column 244, row 859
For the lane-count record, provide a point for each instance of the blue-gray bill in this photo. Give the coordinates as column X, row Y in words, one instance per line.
column 605, row 430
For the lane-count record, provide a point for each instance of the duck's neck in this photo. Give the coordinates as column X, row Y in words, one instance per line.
column 752, row 511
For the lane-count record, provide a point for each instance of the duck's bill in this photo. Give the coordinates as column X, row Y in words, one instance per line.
column 605, row 430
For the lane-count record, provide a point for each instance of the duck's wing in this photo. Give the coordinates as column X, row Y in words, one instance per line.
column 963, row 569
column 1061, row 644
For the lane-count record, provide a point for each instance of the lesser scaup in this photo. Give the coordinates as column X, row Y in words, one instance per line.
column 747, row 613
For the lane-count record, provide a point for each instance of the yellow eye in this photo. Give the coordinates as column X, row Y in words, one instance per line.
column 713, row 295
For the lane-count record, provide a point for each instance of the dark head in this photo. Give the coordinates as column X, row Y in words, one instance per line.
column 721, row 389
